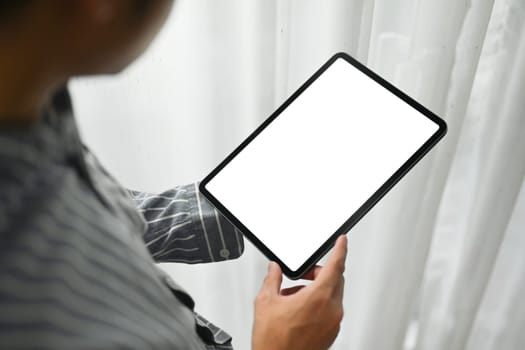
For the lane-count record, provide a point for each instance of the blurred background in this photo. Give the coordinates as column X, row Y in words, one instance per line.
column 439, row 263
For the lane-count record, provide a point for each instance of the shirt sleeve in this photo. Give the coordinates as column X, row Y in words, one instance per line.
column 182, row 226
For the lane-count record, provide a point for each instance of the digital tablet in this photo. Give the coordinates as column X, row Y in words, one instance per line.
column 320, row 162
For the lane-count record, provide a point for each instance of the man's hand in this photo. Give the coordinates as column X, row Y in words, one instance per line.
column 302, row 317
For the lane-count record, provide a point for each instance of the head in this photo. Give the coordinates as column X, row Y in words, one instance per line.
column 45, row 42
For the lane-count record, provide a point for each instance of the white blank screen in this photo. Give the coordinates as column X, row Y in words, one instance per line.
column 308, row 171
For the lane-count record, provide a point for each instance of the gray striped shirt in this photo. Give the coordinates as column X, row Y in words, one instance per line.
column 77, row 259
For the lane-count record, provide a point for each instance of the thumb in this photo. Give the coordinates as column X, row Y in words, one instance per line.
column 273, row 280
column 335, row 266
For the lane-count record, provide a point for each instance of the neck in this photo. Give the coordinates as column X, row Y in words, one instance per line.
column 27, row 80
column 24, row 89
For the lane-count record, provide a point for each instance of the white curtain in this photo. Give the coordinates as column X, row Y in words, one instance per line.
column 439, row 263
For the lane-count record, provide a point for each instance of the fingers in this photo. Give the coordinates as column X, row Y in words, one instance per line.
column 312, row 273
column 331, row 273
column 291, row 290
column 339, row 289
column 273, row 279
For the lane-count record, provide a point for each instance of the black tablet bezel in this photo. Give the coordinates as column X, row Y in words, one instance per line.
column 366, row 206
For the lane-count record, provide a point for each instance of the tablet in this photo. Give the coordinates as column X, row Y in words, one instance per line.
column 320, row 162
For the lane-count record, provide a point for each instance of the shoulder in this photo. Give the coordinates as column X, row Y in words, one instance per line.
column 26, row 183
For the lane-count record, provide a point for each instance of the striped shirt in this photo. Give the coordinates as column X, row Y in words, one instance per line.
column 77, row 259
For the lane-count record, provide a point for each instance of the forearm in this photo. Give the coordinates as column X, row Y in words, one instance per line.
column 184, row 227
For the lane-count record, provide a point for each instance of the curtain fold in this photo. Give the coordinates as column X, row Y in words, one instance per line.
column 438, row 263
column 502, row 174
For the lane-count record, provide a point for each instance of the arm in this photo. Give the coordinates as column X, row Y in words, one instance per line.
column 182, row 226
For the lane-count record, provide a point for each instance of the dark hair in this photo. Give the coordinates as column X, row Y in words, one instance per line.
column 8, row 7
